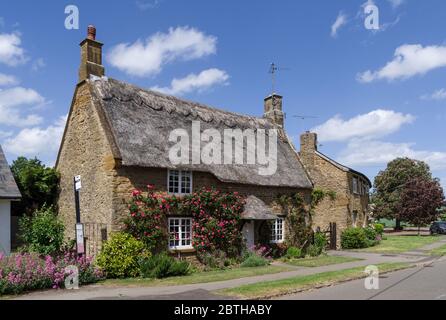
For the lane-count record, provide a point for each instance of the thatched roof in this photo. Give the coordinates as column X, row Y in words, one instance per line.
column 8, row 187
column 256, row 209
column 140, row 121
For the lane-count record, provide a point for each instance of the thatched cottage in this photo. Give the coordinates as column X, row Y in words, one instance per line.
column 8, row 192
column 117, row 139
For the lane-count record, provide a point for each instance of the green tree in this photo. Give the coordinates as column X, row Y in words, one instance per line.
column 37, row 183
column 421, row 200
column 390, row 183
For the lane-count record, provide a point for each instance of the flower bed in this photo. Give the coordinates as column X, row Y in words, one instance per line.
column 27, row 271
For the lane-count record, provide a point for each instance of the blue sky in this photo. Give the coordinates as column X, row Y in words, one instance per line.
column 377, row 94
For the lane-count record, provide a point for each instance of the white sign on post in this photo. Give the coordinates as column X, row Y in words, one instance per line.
column 77, row 183
column 80, row 238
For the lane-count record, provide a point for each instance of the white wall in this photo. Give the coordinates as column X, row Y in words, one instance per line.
column 5, row 226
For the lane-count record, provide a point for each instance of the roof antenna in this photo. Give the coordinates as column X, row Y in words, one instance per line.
column 273, row 70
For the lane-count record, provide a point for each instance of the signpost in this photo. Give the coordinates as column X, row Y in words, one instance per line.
column 80, row 242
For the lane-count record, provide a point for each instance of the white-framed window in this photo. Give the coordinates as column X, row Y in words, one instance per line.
column 180, row 233
column 179, row 182
column 277, row 231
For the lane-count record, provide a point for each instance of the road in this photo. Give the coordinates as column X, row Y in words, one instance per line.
column 421, row 283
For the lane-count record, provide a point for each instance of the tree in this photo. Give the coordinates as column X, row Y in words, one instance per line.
column 37, row 183
column 391, row 182
column 420, row 202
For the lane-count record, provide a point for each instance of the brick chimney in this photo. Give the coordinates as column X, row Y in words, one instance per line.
column 273, row 109
column 308, row 147
column 91, row 56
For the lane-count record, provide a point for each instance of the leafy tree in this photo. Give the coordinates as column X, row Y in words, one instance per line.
column 420, row 202
column 391, row 182
column 37, row 183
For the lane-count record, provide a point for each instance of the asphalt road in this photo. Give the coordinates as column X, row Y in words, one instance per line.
column 421, row 283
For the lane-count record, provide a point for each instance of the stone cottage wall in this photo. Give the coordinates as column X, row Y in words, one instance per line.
column 86, row 152
column 329, row 178
column 127, row 179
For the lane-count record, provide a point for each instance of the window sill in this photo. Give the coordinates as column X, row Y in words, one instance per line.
column 183, row 250
column 277, row 242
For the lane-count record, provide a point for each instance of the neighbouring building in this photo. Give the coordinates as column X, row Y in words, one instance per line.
column 8, row 192
column 348, row 205
column 117, row 139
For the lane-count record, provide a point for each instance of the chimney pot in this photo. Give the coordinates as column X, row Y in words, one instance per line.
column 91, row 32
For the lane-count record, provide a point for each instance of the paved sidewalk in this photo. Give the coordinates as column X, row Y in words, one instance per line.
column 200, row 291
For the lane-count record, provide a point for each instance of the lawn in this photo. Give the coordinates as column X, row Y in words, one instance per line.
column 199, row 277
column 400, row 244
column 320, row 261
column 265, row 290
column 441, row 251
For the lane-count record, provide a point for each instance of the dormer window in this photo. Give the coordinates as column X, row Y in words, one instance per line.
column 179, row 182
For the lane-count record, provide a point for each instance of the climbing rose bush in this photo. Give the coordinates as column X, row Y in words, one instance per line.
column 148, row 218
column 28, row 271
column 216, row 215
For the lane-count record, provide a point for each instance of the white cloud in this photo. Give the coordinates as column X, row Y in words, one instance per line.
column 7, row 80
column 408, row 61
column 375, row 153
column 437, row 95
column 396, row 3
column 38, row 64
column 147, row 5
column 37, row 142
column 341, row 20
column 11, row 99
column 11, row 52
column 195, row 82
column 147, row 58
column 377, row 123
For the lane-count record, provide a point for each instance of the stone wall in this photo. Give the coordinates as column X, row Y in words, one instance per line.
column 127, row 179
column 329, row 177
column 86, row 152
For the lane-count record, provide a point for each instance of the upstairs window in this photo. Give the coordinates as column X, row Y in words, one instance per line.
column 355, row 185
column 179, row 182
column 277, row 234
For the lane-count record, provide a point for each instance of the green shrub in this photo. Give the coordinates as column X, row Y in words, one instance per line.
column 379, row 228
column 293, row 253
column 120, row 255
column 313, row 251
column 163, row 266
column 320, row 241
column 254, row 260
column 370, row 233
column 354, row 238
column 43, row 233
column 214, row 260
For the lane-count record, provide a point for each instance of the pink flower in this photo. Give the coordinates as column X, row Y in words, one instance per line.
column 136, row 193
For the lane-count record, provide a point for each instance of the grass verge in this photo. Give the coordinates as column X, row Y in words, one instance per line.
column 265, row 290
column 199, row 277
column 400, row 244
column 439, row 252
column 320, row 261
